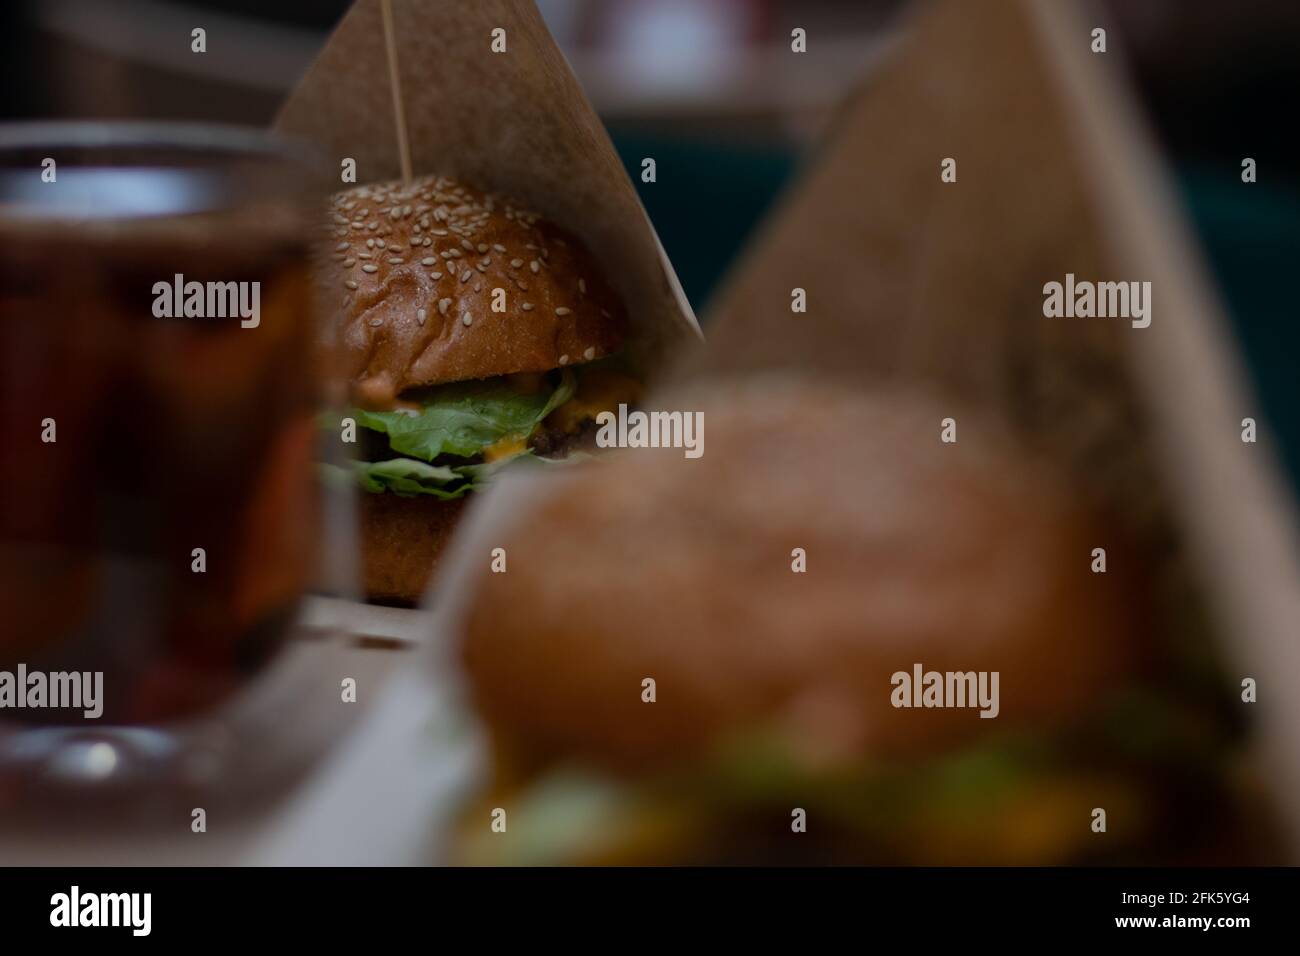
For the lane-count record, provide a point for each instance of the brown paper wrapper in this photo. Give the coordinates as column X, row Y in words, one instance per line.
column 910, row 279
column 916, row 281
column 516, row 123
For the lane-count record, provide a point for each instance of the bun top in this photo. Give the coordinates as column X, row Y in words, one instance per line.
column 960, row 557
column 417, row 268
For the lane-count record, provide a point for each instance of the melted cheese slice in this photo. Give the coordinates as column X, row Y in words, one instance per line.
column 506, row 448
column 599, row 390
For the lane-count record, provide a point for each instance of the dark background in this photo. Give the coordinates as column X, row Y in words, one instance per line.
column 1218, row 79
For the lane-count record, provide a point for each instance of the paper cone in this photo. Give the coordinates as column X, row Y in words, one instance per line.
column 515, row 122
column 912, row 279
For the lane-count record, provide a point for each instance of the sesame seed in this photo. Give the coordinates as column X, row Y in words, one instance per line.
column 523, row 286
column 370, row 267
column 395, row 213
column 342, row 247
column 562, row 311
column 375, row 323
column 516, row 263
column 589, row 354
column 443, row 305
column 478, row 286
column 535, row 266
column 497, row 247
column 464, row 276
column 527, row 307
column 370, row 243
column 435, row 275
column 395, row 261
column 564, row 360
column 351, row 283
column 428, row 261
column 349, row 263
column 582, row 286
column 421, row 315
column 482, row 247
column 467, row 244
column 380, row 243
column 467, row 319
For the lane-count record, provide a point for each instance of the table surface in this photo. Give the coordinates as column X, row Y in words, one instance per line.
column 377, row 796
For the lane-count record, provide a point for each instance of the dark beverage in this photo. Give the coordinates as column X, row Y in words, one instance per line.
column 158, row 513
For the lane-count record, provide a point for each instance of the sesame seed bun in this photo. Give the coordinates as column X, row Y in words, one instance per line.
column 414, row 268
column 961, row 557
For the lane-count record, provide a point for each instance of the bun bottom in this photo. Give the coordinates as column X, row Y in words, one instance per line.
column 402, row 540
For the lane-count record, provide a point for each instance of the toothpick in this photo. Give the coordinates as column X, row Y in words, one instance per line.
column 390, row 44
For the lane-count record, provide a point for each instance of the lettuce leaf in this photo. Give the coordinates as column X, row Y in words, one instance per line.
column 462, row 419
column 408, row 477
column 937, row 809
column 459, row 420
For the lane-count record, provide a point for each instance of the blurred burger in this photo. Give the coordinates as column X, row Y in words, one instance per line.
column 473, row 333
column 688, row 655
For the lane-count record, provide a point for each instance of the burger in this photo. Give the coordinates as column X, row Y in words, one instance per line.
column 472, row 333
column 702, row 661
